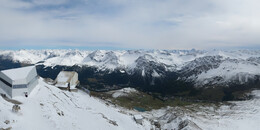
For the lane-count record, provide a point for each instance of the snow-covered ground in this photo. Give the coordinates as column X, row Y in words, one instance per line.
column 242, row 115
column 123, row 92
column 237, row 115
column 49, row 108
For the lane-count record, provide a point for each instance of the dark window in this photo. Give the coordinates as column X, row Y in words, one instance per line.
column 20, row 86
column 24, row 85
column 5, row 82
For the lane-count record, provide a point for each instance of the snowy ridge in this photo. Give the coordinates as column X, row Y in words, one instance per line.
column 202, row 67
column 101, row 58
column 230, row 71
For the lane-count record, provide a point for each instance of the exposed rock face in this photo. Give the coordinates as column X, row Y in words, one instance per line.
column 7, row 122
column 16, row 108
column 199, row 65
column 188, row 125
column 9, row 128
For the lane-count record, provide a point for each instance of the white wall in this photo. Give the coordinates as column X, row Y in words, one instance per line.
column 32, row 85
column 31, row 80
column 20, row 81
column 32, row 74
column 74, row 79
column 19, row 92
column 6, row 89
column 3, row 76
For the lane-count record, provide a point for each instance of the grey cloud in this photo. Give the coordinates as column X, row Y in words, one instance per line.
column 152, row 24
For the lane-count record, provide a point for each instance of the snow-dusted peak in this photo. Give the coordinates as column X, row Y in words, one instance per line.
column 192, row 65
column 231, row 70
column 102, row 59
column 144, row 59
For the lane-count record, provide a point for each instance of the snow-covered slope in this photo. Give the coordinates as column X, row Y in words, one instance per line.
column 240, row 115
column 49, row 108
column 236, row 115
column 202, row 67
column 123, row 92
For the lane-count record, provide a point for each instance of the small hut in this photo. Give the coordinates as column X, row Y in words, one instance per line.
column 138, row 119
column 67, row 80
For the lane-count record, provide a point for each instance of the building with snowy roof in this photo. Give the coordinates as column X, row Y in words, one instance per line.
column 67, row 80
column 19, row 81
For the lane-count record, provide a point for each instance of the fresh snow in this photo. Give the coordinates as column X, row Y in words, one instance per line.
column 138, row 117
column 123, row 92
column 230, row 71
column 49, row 108
column 122, row 57
column 242, row 115
column 238, row 115
column 155, row 74
column 143, row 73
column 101, row 58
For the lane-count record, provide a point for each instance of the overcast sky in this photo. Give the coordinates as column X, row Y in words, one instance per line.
column 130, row 24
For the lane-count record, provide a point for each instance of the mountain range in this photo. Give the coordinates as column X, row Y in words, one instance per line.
column 164, row 71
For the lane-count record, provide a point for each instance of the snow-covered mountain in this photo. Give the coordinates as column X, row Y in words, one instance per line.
column 201, row 67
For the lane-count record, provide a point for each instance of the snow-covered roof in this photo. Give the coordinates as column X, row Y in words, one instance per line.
column 138, row 117
column 65, row 76
column 18, row 73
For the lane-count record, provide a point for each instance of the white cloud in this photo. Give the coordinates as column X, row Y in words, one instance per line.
column 49, row 2
column 164, row 24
